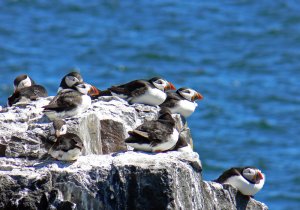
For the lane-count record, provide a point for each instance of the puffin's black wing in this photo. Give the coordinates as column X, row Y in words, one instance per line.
column 131, row 89
column 148, row 133
column 67, row 142
column 156, row 130
column 138, row 133
column 62, row 94
column 229, row 173
column 137, row 136
column 139, row 88
column 33, row 92
column 65, row 100
column 105, row 93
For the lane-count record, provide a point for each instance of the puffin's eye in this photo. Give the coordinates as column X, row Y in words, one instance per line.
column 186, row 91
column 159, row 82
column 249, row 171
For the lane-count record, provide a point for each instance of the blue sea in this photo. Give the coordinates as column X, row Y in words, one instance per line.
column 242, row 56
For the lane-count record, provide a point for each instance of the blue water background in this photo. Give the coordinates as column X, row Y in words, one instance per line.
column 243, row 56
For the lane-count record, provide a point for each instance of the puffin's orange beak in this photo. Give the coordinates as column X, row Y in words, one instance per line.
column 170, row 86
column 259, row 175
column 197, row 96
column 93, row 91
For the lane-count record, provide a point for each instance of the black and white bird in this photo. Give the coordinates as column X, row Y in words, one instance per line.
column 182, row 101
column 70, row 102
column 25, row 91
column 69, row 80
column 68, row 146
column 150, row 92
column 248, row 180
column 155, row 136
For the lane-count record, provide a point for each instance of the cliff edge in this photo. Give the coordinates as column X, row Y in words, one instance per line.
column 106, row 176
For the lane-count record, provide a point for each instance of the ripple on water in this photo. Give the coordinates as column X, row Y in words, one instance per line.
column 262, row 124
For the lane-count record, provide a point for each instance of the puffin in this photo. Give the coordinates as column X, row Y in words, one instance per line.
column 69, row 80
column 70, row 102
column 25, row 91
column 182, row 101
column 248, row 180
column 155, row 136
column 68, row 146
column 149, row 92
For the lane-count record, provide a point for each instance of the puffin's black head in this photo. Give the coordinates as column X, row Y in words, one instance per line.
column 189, row 94
column 162, row 84
column 165, row 115
column 59, row 127
column 252, row 174
column 22, row 81
column 70, row 79
column 153, row 79
column 76, row 75
column 181, row 89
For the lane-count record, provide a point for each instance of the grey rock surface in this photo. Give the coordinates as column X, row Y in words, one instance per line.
column 107, row 176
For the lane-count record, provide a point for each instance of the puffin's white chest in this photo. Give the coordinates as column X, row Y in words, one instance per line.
column 70, row 155
column 184, row 107
column 86, row 102
column 152, row 96
column 245, row 187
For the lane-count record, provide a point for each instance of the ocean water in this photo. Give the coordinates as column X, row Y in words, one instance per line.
column 243, row 56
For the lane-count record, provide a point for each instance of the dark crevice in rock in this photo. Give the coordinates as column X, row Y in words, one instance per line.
column 2, row 150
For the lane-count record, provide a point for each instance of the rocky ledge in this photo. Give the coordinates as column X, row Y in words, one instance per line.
column 106, row 176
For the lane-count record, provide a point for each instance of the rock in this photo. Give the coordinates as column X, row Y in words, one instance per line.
column 107, row 176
